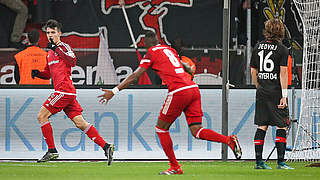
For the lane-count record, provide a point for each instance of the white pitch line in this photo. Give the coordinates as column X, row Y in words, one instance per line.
column 28, row 165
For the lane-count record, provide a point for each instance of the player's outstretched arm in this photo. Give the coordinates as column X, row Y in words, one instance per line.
column 104, row 98
column 45, row 74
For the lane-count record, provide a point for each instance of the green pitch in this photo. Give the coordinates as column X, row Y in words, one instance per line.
column 149, row 171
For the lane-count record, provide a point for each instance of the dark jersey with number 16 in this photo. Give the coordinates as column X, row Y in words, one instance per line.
column 267, row 57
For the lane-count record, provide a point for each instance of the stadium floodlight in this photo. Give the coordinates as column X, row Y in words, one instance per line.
column 307, row 140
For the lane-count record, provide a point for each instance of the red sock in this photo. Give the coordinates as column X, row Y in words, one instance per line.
column 167, row 145
column 210, row 135
column 48, row 134
column 93, row 134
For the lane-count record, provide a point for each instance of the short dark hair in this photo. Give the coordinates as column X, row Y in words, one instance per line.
column 33, row 36
column 51, row 23
column 150, row 34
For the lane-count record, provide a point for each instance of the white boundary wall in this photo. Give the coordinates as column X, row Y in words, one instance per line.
column 128, row 121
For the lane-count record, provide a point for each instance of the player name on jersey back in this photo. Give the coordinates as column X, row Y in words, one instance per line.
column 271, row 47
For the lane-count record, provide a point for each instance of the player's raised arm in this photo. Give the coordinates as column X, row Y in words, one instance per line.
column 67, row 54
column 124, row 84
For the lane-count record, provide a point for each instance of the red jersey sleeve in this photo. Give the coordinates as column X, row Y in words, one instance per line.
column 146, row 60
column 45, row 74
column 67, row 54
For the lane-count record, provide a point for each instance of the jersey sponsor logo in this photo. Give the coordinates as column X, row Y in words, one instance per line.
column 53, row 62
column 268, row 76
column 153, row 13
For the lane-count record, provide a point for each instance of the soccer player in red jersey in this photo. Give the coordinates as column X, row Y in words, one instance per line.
column 60, row 59
column 183, row 96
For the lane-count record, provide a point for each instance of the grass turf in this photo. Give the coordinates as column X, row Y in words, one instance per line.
column 233, row 170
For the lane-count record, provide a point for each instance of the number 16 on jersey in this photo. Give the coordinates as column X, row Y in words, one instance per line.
column 266, row 66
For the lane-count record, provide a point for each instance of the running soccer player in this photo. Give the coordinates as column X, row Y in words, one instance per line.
column 60, row 59
column 270, row 75
column 183, row 96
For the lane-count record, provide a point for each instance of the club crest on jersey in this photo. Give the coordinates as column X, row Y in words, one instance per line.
column 151, row 18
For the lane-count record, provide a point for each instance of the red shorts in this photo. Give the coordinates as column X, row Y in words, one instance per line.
column 68, row 103
column 187, row 101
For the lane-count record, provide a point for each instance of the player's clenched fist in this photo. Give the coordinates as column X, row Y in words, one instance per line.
column 51, row 45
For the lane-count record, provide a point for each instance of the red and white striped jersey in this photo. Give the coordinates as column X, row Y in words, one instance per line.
column 58, row 68
column 165, row 61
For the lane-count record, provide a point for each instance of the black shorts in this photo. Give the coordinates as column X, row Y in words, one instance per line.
column 268, row 114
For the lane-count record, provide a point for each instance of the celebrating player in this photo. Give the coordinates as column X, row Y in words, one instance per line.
column 183, row 96
column 60, row 59
column 270, row 75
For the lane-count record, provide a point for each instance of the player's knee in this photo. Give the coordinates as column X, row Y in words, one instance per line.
column 82, row 125
column 41, row 118
column 264, row 128
column 194, row 134
column 284, row 128
column 79, row 125
column 194, row 130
